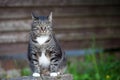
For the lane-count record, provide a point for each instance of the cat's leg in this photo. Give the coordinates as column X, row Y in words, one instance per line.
column 34, row 64
column 54, row 67
column 53, row 73
column 54, row 61
column 36, row 72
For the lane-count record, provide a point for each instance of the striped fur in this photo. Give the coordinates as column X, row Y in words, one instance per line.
column 44, row 52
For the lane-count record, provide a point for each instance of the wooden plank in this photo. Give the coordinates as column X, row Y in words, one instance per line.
column 88, row 22
column 13, row 48
column 16, row 37
column 93, row 30
column 60, row 23
column 11, row 3
column 83, row 44
column 25, row 13
column 14, row 25
column 17, row 48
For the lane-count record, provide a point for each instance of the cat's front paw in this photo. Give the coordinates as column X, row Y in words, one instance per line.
column 54, row 74
column 36, row 75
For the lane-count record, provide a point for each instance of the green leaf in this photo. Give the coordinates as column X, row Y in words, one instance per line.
column 25, row 72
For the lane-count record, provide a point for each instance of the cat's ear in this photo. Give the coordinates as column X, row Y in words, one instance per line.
column 50, row 17
column 34, row 17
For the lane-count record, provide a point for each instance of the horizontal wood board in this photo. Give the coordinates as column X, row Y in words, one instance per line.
column 76, row 23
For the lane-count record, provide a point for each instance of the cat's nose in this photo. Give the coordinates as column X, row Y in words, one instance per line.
column 43, row 29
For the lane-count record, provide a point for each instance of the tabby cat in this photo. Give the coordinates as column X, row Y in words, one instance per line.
column 44, row 52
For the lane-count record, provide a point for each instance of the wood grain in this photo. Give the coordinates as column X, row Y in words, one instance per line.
column 15, row 3
column 66, row 23
column 17, row 48
column 83, row 11
column 75, row 23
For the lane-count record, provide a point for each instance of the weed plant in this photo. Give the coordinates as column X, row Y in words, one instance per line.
column 102, row 66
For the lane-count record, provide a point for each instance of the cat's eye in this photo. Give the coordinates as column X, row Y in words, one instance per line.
column 35, row 21
column 36, row 28
column 49, row 27
column 48, row 22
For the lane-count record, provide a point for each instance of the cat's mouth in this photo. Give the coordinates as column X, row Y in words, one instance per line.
column 43, row 31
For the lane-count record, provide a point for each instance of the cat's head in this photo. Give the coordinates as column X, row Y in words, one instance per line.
column 42, row 25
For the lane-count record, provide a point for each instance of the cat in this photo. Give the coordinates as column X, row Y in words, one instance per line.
column 45, row 55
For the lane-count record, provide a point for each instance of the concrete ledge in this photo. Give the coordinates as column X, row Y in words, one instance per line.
column 61, row 77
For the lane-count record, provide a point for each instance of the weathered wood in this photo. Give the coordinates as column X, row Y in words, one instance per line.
column 66, row 23
column 75, row 22
column 17, row 3
column 14, row 37
column 61, row 77
column 24, row 36
column 17, row 48
column 83, row 11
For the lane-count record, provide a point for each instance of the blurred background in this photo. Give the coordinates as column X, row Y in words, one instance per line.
column 88, row 30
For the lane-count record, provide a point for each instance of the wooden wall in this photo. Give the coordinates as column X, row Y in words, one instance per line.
column 76, row 23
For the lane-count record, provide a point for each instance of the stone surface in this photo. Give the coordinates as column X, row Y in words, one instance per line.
column 61, row 77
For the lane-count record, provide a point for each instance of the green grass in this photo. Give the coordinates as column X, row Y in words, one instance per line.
column 93, row 68
column 102, row 66
column 25, row 72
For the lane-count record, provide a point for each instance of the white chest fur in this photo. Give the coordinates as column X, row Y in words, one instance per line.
column 42, row 39
column 43, row 60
